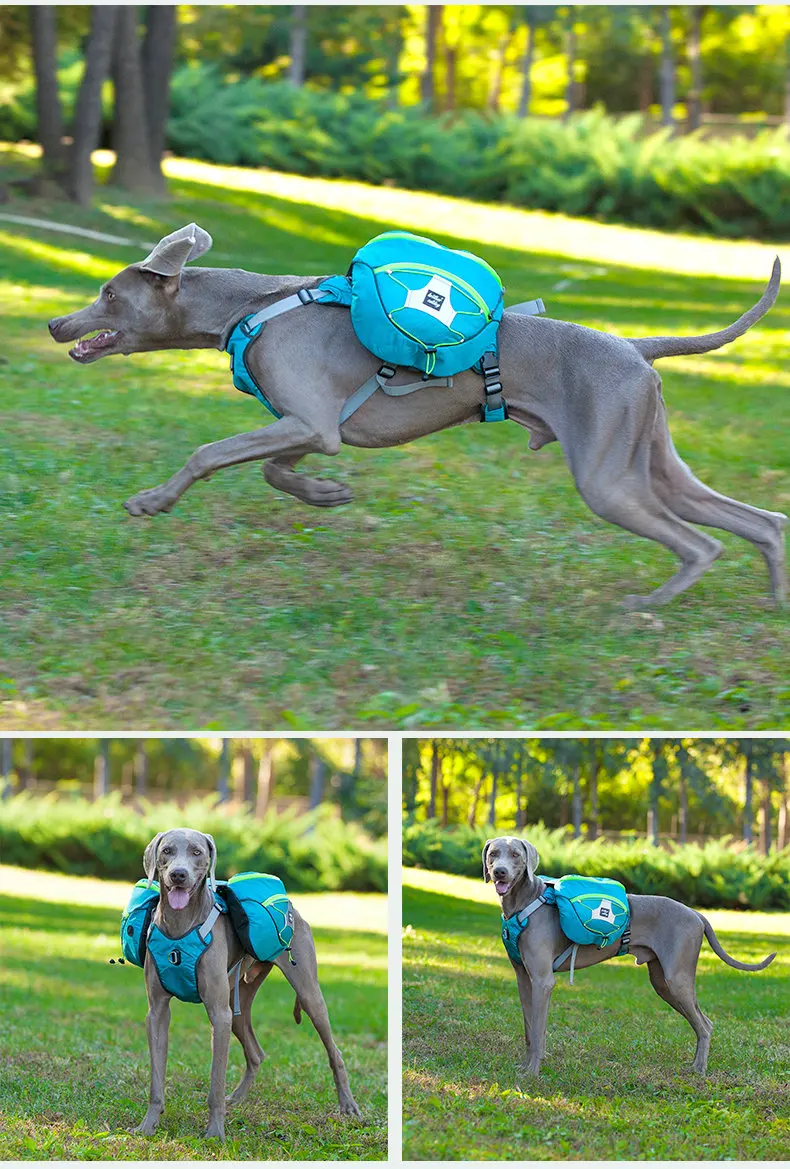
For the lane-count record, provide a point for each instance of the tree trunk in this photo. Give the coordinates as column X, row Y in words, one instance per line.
column 435, row 764
column 249, row 772
column 652, row 824
column 475, row 800
column 495, row 89
column 765, row 817
column 451, row 76
column 6, row 764
column 646, row 84
column 492, row 808
column 318, row 771
column 87, row 112
column 783, row 822
column 160, row 35
column 48, row 110
column 577, row 799
column 298, row 50
column 667, row 72
column 683, row 810
column 133, row 170
column 593, row 827
column 434, row 17
column 570, row 56
column 526, row 70
column 265, row 780
column 445, row 805
column 101, row 770
column 695, row 67
column 787, row 79
column 518, row 798
column 223, row 772
column 748, row 815
column 141, row 770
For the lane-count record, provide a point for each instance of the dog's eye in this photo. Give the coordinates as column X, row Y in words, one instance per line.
column 110, row 294
column 167, row 850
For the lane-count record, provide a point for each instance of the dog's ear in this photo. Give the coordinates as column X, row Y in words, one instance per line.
column 531, row 858
column 212, row 852
column 150, row 858
column 175, row 250
column 486, row 876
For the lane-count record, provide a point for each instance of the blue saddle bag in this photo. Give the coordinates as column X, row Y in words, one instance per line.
column 261, row 913
column 593, row 910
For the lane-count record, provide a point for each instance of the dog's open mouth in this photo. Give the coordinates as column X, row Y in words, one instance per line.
column 178, row 896
column 502, row 887
column 88, row 348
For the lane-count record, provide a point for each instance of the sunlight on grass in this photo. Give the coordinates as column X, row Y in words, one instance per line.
column 352, row 911
column 533, row 231
column 60, row 258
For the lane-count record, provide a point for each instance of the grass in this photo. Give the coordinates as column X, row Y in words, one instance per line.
column 467, row 586
column 616, row 1084
column 74, row 1054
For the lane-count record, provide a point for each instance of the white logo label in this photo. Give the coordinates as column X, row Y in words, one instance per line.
column 434, row 299
column 604, row 912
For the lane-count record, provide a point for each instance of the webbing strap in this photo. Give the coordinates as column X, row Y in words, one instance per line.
column 525, row 914
column 237, row 971
column 303, row 296
column 570, row 952
column 527, row 308
column 205, row 929
column 381, row 380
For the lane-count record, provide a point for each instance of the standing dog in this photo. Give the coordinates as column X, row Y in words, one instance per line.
column 184, row 861
column 595, row 394
column 664, row 933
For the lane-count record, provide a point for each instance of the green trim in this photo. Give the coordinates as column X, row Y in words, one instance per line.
column 405, row 266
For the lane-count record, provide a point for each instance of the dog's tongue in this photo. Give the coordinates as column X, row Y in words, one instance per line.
column 501, row 887
column 178, row 898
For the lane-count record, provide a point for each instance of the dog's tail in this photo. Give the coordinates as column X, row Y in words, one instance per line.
column 654, row 347
column 297, row 1010
column 717, row 948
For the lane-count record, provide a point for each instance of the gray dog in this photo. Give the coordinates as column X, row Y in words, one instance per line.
column 183, row 861
column 664, row 934
column 597, row 395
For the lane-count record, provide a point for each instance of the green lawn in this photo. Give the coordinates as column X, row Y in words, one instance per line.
column 616, row 1084
column 466, row 585
column 75, row 1063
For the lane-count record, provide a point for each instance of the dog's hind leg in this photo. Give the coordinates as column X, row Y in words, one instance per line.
column 609, row 456
column 682, row 997
column 243, row 1030
column 692, row 500
column 303, row 977
column 279, row 473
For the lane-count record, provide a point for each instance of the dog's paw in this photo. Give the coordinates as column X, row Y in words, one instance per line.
column 327, row 493
column 349, row 1108
column 216, row 1130
column 634, row 604
column 150, row 502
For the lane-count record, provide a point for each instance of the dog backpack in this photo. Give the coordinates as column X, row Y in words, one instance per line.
column 261, row 913
column 593, row 910
column 419, row 304
column 136, row 921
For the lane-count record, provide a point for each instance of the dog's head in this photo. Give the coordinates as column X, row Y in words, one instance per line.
column 507, row 861
column 182, row 859
column 137, row 310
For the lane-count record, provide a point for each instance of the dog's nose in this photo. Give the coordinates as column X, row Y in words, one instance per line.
column 500, row 874
column 53, row 326
column 178, row 876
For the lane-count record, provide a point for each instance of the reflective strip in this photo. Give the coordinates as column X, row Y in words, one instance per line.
column 205, row 929
column 527, row 308
column 305, row 296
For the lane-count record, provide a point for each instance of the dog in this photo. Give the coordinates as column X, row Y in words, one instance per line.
column 184, row 862
column 597, row 395
column 664, row 933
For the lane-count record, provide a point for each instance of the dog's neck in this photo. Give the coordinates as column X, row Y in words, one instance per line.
column 212, row 301
column 174, row 923
column 519, row 895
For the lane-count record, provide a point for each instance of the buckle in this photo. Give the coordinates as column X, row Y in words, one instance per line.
column 305, row 295
column 387, row 371
column 493, row 388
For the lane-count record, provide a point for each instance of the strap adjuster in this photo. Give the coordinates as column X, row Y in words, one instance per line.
column 387, row 372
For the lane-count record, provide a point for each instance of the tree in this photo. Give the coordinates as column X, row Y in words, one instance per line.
column 531, row 16
column 157, row 62
column 48, row 110
column 133, row 168
column 87, row 113
column 434, row 15
column 6, row 764
column 298, row 48
column 101, row 770
column 141, row 769
column 318, row 771
column 223, row 772
column 747, row 748
column 265, row 779
column 696, row 13
column 570, row 61
column 667, row 69
column 436, row 756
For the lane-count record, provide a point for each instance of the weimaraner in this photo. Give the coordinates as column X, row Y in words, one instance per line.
column 664, row 933
column 596, row 394
column 183, row 860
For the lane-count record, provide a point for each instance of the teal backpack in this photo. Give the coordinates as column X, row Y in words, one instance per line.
column 417, row 303
column 593, row 910
column 259, row 909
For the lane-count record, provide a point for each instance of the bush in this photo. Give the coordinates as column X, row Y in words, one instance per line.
column 310, row 852
column 714, row 875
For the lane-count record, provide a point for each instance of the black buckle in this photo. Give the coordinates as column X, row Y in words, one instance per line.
column 387, row 372
column 306, row 295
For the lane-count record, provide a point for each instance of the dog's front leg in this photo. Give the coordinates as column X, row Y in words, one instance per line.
column 525, row 995
column 287, row 436
column 157, row 1025
column 542, row 986
column 221, row 1018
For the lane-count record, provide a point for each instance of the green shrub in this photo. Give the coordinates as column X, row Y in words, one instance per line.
column 714, row 875
column 313, row 851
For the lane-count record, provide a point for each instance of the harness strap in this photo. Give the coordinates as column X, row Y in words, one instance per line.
column 494, row 408
column 303, row 296
column 237, row 971
column 526, row 914
column 381, row 381
column 205, row 929
column 569, row 952
column 527, row 308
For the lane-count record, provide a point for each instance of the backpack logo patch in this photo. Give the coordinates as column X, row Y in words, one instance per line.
column 603, row 912
column 433, row 299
